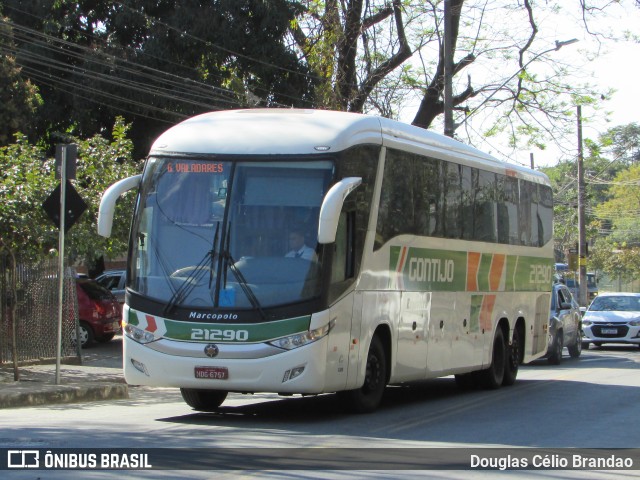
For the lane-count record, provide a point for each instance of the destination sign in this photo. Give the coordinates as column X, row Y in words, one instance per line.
column 194, row 167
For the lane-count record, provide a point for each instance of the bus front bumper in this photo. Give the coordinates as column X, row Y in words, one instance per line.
column 301, row 370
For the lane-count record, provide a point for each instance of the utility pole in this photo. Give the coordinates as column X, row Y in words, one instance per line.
column 582, row 236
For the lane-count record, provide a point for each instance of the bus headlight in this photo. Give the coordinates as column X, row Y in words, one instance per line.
column 137, row 334
column 301, row 339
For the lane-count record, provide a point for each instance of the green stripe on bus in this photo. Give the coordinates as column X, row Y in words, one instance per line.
column 230, row 332
column 474, row 317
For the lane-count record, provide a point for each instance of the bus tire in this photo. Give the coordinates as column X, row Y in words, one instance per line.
column 203, row 400
column 514, row 358
column 492, row 377
column 368, row 397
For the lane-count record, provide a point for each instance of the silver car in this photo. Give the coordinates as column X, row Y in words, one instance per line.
column 113, row 280
column 612, row 318
column 564, row 325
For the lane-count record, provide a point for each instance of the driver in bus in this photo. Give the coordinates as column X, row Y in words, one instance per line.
column 298, row 248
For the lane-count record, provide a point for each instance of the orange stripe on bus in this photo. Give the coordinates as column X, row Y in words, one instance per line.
column 151, row 324
column 473, row 264
column 403, row 256
column 495, row 273
column 486, row 312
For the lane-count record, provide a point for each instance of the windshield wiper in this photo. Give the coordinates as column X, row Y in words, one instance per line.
column 213, row 255
column 195, row 275
column 230, row 263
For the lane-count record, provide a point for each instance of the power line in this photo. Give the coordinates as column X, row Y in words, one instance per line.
column 151, row 81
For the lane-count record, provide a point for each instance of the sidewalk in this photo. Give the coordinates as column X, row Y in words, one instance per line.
column 78, row 383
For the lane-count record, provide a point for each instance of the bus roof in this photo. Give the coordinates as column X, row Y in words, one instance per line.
column 300, row 132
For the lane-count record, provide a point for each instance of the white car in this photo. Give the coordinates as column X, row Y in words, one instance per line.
column 612, row 318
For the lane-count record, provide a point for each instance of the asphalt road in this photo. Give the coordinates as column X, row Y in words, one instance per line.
column 586, row 403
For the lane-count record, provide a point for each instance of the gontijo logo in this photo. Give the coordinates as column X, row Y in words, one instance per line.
column 431, row 269
column 450, row 270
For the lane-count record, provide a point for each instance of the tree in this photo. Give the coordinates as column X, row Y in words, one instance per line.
column 19, row 98
column 374, row 55
column 27, row 179
column 153, row 62
column 339, row 41
column 156, row 62
column 623, row 207
column 613, row 202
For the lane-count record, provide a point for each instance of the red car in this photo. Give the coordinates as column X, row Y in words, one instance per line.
column 99, row 312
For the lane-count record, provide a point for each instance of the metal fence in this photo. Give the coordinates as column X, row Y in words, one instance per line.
column 29, row 311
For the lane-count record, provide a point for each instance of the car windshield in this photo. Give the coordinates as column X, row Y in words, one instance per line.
column 236, row 233
column 616, row 303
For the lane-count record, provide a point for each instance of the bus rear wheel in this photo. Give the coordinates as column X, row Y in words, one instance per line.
column 203, row 400
column 368, row 397
column 492, row 377
column 514, row 357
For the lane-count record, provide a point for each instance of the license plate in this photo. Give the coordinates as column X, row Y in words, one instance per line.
column 609, row 331
column 215, row 373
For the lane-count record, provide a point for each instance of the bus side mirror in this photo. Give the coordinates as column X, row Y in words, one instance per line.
column 108, row 202
column 332, row 206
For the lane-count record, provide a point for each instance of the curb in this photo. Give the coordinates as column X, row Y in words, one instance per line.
column 41, row 394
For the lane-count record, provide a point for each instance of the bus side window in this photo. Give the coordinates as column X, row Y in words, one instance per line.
column 343, row 265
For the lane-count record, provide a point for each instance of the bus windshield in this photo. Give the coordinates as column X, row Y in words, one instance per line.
column 236, row 234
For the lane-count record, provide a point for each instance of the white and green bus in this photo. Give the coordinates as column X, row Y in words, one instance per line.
column 425, row 258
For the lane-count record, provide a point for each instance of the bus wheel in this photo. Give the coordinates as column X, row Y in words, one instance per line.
column 367, row 398
column 493, row 376
column 513, row 359
column 203, row 400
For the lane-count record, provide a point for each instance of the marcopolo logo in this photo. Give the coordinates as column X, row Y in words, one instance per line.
column 213, row 316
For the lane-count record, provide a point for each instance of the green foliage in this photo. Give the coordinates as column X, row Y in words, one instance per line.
column 612, row 184
column 25, row 182
column 617, row 260
column 154, row 62
column 19, row 98
column 27, row 178
column 622, row 208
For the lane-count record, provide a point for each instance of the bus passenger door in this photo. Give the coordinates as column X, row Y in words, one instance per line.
column 413, row 321
column 340, row 347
